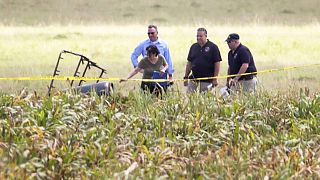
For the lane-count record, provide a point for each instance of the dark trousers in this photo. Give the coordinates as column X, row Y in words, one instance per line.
column 153, row 88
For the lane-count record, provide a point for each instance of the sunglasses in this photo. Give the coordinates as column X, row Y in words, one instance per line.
column 151, row 33
column 229, row 42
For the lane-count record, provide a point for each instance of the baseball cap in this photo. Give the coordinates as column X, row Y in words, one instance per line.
column 233, row 36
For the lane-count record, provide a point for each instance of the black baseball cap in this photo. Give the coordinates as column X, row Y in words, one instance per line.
column 233, row 36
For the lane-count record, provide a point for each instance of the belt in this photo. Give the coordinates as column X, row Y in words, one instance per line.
column 248, row 77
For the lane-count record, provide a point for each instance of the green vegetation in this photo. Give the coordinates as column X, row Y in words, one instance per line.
column 195, row 136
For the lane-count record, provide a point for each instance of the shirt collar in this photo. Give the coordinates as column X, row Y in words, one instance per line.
column 237, row 48
column 205, row 44
column 153, row 42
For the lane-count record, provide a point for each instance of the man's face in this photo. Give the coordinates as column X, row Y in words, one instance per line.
column 231, row 44
column 152, row 34
column 201, row 37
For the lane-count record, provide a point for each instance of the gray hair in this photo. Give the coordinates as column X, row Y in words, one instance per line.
column 203, row 30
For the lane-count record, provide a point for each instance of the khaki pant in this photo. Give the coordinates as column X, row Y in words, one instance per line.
column 193, row 85
column 245, row 85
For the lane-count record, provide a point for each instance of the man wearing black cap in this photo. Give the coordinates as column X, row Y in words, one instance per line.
column 204, row 62
column 240, row 61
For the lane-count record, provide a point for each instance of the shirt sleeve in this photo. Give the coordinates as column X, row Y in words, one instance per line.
column 167, row 57
column 189, row 58
column 135, row 54
column 216, row 54
column 244, row 56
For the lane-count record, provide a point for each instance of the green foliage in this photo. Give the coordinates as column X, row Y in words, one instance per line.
column 200, row 136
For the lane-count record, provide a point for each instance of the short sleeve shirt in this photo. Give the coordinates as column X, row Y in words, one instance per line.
column 241, row 55
column 203, row 59
column 148, row 67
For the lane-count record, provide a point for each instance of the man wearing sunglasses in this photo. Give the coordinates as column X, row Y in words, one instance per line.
column 240, row 61
column 153, row 40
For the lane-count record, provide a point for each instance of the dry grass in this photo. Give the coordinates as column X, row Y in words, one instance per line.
column 33, row 51
column 191, row 12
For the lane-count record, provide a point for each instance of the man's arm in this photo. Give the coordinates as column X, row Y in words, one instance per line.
column 228, row 78
column 188, row 70
column 244, row 56
column 169, row 61
column 135, row 54
column 242, row 70
column 216, row 73
column 187, row 73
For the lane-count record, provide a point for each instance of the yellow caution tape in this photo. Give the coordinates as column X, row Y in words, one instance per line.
column 66, row 78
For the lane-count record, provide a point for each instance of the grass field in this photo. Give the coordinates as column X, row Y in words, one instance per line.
column 166, row 12
column 33, row 51
column 279, row 33
column 274, row 134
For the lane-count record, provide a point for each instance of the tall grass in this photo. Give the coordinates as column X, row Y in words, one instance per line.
column 270, row 135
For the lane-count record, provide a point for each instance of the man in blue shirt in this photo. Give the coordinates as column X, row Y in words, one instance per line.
column 153, row 40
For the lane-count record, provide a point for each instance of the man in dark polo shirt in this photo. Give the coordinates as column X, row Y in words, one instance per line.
column 240, row 61
column 203, row 61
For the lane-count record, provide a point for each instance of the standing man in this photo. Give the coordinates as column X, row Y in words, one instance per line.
column 153, row 40
column 240, row 61
column 204, row 61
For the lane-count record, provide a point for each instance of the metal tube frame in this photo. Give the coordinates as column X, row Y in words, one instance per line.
column 82, row 60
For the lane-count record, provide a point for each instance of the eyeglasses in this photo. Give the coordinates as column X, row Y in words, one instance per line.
column 229, row 42
column 151, row 33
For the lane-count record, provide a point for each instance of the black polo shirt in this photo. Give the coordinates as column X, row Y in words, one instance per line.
column 235, row 60
column 203, row 59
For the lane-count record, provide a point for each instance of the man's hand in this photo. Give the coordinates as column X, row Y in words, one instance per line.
column 233, row 82
column 214, row 83
column 185, row 82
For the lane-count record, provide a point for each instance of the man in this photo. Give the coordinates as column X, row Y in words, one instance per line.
column 153, row 40
column 240, row 61
column 204, row 61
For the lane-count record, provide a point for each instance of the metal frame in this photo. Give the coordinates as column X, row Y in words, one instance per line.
column 82, row 60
